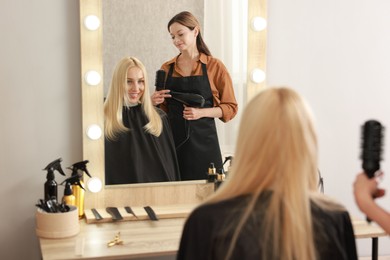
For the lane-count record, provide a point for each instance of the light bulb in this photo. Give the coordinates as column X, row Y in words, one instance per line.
column 94, row 184
column 92, row 77
column 258, row 23
column 94, row 132
column 91, row 22
column 257, row 75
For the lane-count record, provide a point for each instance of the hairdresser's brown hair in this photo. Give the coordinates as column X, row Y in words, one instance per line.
column 188, row 20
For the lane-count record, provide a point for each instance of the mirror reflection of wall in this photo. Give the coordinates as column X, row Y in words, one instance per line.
column 226, row 34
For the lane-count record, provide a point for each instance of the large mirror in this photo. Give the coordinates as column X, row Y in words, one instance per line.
column 93, row 44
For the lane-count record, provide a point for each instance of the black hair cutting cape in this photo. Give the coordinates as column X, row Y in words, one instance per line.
column 136, row 156
column 209, row 230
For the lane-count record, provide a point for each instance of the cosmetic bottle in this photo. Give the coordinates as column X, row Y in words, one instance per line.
column 221, row 175
column 78, row 170
column 69, row 198
column 220, row 178
column 211, row 174
column 50, row 186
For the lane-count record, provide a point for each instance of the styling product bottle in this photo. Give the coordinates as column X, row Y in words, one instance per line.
column 212, row 173
column 50, row 186
column 68, row 198
column 221, row 175
column 220, row 178
column 78, row 170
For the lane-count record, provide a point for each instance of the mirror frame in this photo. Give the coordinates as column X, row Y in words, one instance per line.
column 166, row 193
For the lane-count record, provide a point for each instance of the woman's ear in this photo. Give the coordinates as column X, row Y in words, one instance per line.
column 196, row 31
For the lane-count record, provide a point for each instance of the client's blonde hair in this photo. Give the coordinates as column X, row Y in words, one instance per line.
column 117, row 98
column 277, row 151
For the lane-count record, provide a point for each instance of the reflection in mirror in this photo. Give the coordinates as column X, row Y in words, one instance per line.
column 139, row 146
column 92, row 59
column 125, row 35
column 139, row 29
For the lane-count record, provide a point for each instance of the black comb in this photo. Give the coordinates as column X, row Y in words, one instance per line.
column 114, row 212
column 96, row 214
column 130, row 211
column 151, row 213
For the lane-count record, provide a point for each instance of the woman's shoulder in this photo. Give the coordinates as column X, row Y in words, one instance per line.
column 220, row 208
column 168, row 63
column 330, row 210
column 212, row 62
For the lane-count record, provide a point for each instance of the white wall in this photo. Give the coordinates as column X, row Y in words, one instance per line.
column 40, row 110
column 336, row 54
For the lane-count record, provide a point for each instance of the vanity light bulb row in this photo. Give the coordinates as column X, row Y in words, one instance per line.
column 258, row 24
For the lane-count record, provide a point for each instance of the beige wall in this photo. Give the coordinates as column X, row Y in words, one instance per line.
column 40, row 110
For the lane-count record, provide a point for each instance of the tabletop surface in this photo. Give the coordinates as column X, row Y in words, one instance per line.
column 140, row 238
column 144, row 238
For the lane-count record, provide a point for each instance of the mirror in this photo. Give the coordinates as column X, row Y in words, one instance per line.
column 92, row 109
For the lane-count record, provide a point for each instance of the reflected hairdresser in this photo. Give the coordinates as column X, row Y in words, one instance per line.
column 194, row 70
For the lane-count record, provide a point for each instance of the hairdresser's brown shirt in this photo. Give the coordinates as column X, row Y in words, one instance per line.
column 220, row 82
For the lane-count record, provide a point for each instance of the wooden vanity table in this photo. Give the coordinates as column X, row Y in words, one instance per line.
column 140, row 239
column 145, row 239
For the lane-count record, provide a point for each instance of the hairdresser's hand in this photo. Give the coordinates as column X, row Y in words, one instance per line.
column 158, row 97
column 192, row 113
column 366, row 189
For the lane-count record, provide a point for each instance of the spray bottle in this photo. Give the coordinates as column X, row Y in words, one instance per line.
column 230, row 160
column 50, row 186
column 69, row 198
column 78, row 170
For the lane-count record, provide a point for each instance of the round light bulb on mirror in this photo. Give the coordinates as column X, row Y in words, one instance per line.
column 258, row 23
column 257, row 75
column 91, row 22
column 94, row 132
column 94, row 184
column 92, row 78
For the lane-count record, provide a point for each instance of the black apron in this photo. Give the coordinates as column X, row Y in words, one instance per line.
column 196, row 141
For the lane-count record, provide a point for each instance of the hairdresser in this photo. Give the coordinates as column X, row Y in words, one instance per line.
column 194, row 70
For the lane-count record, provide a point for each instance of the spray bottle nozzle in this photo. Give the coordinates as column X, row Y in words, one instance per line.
column 74, row 179
column 80, row 166
column 227, row 158
column 55, row 166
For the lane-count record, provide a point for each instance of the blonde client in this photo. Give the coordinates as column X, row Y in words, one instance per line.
column 139, row 146
column 270, row 208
